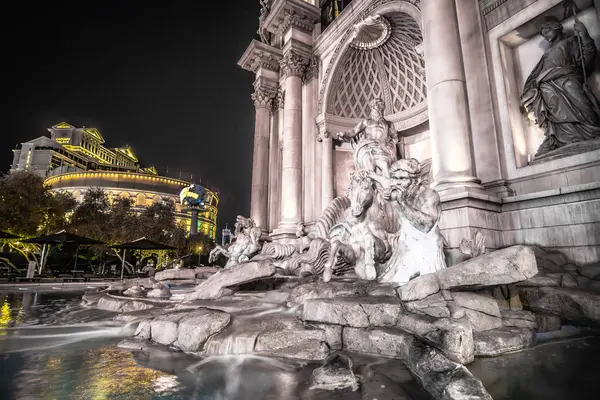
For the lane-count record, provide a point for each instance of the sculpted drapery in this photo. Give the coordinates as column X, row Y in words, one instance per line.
column 555, row 93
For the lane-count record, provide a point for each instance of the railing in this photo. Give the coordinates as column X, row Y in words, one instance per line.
column 330, row 10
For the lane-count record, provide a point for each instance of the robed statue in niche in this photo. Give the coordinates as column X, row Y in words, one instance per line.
column 556, row 94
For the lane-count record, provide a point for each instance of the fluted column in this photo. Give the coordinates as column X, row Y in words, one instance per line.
column 449, row 122
column 326, row 169
column 275, row 162
column 292, row 67
column 263, row 97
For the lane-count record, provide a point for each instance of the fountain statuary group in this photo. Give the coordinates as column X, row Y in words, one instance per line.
column 385, row 229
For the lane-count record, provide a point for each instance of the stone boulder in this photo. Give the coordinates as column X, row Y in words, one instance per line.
column 357, row 312
column 187, row 330
column 213, row 287
column 573, row 305
column 481, row 310
column 434, row 306
column 205, row 272
column 501, row 267
column 443, row 378
column 453, row 338
column 547, row 322
column 135, row 291
column 502, row 340
column 160, row 291
column 335, row 374
column 127, row 283
column 174, row 274
column 519, row 319
column 337, row 289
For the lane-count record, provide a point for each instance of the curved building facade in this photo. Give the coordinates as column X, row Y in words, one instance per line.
column 75, row 159
column 143, row 189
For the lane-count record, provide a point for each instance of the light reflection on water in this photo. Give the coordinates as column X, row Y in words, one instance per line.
column 52, row 348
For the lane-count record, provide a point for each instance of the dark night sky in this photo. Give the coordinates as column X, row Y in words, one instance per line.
column 163, row 79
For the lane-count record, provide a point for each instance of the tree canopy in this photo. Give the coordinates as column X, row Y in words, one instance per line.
column 28, row 208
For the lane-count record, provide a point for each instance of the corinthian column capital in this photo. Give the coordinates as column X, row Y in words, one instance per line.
column 263, row 96
column 294, row 64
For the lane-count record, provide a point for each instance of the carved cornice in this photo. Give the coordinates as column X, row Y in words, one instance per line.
column 260, row 55
column 294, row 63
column 287, row 14
column 263, row 96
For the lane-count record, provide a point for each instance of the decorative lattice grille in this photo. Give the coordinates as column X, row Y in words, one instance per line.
column 394, row 71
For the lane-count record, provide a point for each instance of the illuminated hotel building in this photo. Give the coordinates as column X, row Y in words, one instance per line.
column 75, row 160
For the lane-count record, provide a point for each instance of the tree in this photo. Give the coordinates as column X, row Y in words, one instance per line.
column 29, row 208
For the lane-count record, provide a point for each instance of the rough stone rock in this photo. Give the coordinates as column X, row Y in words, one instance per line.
column 514, row 299
column 338, row 288
column 419, row 288
column 441, row 377
column 160, row 291
column 570, row 268
column 519, row 319
column 333, row 335
column 163, row 329
column 454, row 338
column 274, row 339
column 335, row 374
column 242, row 273
column 538, row 281
column 477, row 302
column 501, row 300
column 568, row 281
column 110, row 304
column 127, row 283
column 196, row 327
column 205, row 272
column 434, row 306
column 168, row 274
column 135, row 291
column 387, row 342
column 548, row 260
column 509, row 265
column 136, row 306
column 456, row 312
column 482, row 322
column 502, row 340
column 591, row 271
column 135, row 343
column 573, row 305
column 358, row 312
column 143, row 330
column 547, row 322
column 309, row 350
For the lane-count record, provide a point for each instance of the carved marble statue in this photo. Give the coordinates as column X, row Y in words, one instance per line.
column 245, row 246
column 418, row 247
column 360, row 240
column 556, row 93
column 265, row 8
column 374, row 140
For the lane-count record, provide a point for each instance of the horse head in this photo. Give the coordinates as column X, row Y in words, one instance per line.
column 361, row 192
